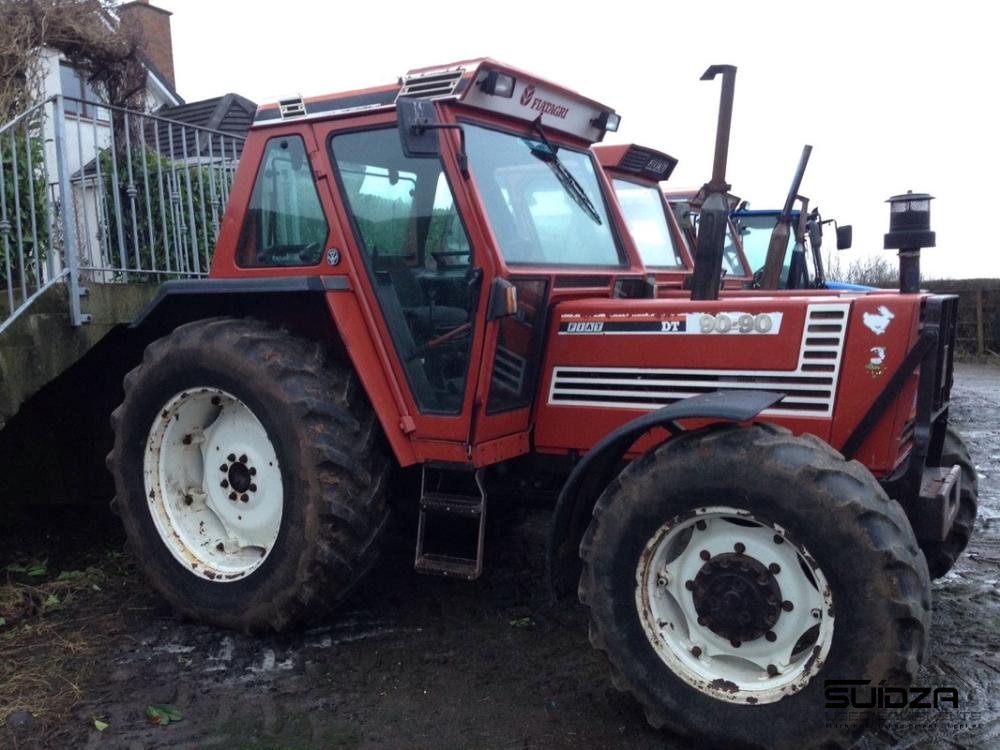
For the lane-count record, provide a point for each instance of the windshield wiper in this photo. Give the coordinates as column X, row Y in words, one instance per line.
column 565, row 177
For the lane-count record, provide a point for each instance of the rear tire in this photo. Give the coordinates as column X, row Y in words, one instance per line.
column 318, row 492
column 942, row 555
column 835, row 516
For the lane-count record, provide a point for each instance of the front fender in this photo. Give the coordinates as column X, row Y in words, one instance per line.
column 600, row 465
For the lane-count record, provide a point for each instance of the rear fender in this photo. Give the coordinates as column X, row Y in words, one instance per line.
column 304, row 305
column 601, row 463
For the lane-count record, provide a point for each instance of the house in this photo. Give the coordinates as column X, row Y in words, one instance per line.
column 127, row 212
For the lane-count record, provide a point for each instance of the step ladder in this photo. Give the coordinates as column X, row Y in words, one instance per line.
column 456, row 493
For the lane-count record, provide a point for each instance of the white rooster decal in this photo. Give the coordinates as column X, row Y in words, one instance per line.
column 879, row 321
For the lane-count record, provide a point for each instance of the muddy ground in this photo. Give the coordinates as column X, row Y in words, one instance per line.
column 410, row 661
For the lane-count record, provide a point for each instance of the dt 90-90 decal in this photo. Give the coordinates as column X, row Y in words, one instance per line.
column 726, row 323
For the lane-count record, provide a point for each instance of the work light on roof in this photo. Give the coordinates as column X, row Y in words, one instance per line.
column 498, row 84
column 607, row 120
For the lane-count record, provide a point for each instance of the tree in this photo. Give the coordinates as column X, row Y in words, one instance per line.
column 90, row 39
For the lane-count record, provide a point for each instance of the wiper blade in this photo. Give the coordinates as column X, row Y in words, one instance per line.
column 565, row 177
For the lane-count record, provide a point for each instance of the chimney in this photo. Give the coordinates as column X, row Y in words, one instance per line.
column 152, row 28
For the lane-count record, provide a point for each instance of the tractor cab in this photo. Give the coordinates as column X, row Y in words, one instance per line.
column 755, row 227
column 636, row 173
column 685, row 207
column 664, row 238
column 466, row 194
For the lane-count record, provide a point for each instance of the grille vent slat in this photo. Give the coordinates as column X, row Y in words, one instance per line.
column 810, row 388
column 431, row 85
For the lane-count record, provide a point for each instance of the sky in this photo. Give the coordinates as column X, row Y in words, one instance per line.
column 893, row 96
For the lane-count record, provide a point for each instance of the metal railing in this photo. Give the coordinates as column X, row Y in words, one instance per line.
column 89, row 191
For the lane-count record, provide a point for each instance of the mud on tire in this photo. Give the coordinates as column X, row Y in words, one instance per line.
column 942, row 555
column 861, row 542
column 328, row 447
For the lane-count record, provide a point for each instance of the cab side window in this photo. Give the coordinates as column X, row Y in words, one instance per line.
column 284, row 224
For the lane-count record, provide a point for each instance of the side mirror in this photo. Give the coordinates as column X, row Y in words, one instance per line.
column 503, row 300
column 417, row 134
column 845, row 234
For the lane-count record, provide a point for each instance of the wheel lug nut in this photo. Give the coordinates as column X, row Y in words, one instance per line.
column 696, row 651
column 689, row 585
column 216, row 400
column 774, row 569
column 779, row 539
column 223, row 468
column 701, row 525
column 243, row 458
column 735, row 643
column 772, row 671
column 244, row 498
column 661, row 580
column 232, row 495
column 816, row 613
column 220, row 547
column 231, row 457
column 253, row 487
column 253, row 471
column 787, row 606
column 224, row 483
column 705, row 555
column 740, row 548
column 703, row 621
column 770, row 636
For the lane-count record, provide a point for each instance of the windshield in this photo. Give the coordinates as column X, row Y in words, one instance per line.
column 543, row 202
column 647, row 223
column 755, row 232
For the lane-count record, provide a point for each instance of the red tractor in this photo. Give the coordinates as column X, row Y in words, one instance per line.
column 435, row 275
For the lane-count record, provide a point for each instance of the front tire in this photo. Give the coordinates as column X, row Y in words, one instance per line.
column 706, row 661
column 249, row 474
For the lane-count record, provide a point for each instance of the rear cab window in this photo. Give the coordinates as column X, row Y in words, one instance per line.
column 284, row 224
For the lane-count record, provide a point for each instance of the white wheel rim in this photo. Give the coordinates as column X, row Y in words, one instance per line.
column 688, row 619
column 213, row 484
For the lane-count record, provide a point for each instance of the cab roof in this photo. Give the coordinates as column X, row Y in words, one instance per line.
column 637, row 160
column 522, row 95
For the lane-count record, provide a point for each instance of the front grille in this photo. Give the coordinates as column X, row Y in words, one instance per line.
column 431, row 85
column 810, row 388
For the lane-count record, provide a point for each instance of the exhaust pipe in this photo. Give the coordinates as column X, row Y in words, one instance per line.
column 713, row 219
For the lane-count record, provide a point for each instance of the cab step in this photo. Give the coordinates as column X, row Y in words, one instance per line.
column 452, row 515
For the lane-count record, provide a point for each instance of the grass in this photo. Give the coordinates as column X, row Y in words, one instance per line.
column 53, row 626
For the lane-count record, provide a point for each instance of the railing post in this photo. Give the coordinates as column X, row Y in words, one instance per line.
column 76, row 316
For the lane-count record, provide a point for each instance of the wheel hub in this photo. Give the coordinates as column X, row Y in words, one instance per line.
column 239, row 479
column 736, row 597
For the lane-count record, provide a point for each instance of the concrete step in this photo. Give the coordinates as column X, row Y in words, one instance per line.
column 41, row 343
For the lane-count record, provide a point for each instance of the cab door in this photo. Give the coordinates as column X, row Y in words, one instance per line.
column 420, row 275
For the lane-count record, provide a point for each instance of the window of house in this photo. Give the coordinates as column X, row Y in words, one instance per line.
column 81, row 96
column 284, row 224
